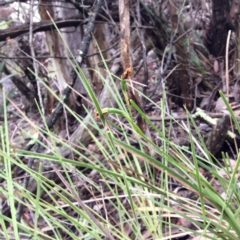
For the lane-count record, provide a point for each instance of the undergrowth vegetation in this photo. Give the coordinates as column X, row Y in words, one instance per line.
column 139, row 190
column 132, row 181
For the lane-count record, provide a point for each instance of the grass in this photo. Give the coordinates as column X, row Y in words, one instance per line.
column 136, row 185
column 120, row 189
